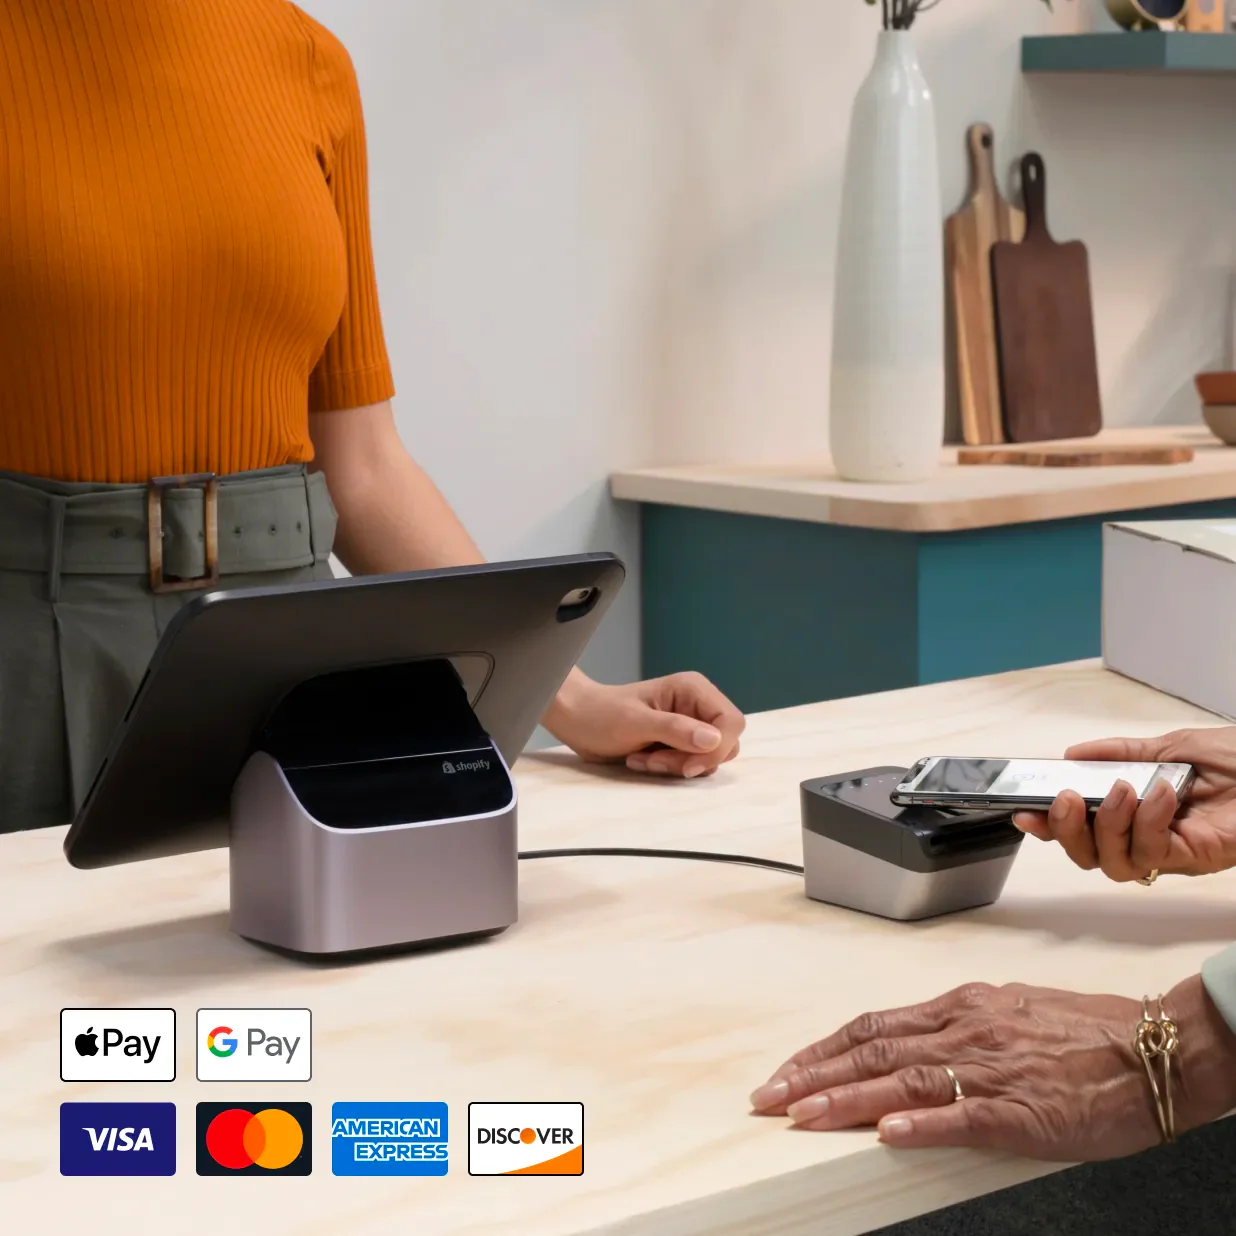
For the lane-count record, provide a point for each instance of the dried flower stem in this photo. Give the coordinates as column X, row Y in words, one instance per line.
column 900, row 14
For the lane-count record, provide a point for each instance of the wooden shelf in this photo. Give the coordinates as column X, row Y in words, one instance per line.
column 956, row 498
column 1147, row 51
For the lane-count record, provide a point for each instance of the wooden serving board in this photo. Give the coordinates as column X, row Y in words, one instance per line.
column 969, row 236
column 1049, row 369
column 1068, row 455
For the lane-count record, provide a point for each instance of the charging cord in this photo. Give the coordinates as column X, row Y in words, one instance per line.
column 704, row 856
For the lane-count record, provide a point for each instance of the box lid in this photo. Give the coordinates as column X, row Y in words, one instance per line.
column 1216, row 538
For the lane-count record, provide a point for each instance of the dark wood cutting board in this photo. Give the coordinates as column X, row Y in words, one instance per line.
column 969, row 235
column 1049, row 371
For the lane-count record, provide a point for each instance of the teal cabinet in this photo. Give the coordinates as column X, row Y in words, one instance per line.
column 779, row 612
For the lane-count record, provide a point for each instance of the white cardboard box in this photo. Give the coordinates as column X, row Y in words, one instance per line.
column 1169, row 608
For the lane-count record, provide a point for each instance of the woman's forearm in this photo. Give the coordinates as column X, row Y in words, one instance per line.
column 392, row 517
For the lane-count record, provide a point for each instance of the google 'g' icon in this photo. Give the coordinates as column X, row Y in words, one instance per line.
column 258, row 1139
column 217, row 1044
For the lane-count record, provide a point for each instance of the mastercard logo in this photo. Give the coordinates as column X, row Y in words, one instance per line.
column 254, row 1139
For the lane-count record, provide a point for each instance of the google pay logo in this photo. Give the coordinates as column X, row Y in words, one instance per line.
column 260, row 1045
column 218, row 1045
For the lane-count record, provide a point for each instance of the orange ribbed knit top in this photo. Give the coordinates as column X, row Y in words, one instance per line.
column 185, row 262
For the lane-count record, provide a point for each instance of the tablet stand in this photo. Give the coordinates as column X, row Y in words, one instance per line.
column 374, row 812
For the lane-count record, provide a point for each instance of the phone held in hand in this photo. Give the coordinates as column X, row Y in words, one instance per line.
column 1028, row 785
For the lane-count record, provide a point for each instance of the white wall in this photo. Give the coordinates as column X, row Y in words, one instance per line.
column 604, row 231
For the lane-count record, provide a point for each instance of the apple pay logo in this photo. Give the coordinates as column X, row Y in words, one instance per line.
column 123, row 1045
column 236, row 1045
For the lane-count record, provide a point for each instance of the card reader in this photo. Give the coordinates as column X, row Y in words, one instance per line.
column 863, row 852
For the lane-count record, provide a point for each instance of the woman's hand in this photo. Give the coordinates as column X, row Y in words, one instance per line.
column 1129, row 841
column 1045, row 1074
column 679, row 726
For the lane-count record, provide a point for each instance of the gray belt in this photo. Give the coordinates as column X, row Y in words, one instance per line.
column 275, row 520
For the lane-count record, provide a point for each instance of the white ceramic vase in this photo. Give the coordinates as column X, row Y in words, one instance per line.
column 886, row 407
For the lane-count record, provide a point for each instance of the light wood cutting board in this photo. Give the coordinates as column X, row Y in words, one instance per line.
column 969, row 236
column 1073, row 455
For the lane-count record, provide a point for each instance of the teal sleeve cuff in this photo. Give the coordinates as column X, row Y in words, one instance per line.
column 1219, row 979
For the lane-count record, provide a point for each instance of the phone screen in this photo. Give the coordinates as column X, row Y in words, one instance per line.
column 1035, row 778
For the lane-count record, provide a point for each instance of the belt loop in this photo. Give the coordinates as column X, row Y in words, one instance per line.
column 55, row 543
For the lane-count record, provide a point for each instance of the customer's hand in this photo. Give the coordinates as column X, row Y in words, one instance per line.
column 679, row 726
column 1129, row 841
column 1046, row 1074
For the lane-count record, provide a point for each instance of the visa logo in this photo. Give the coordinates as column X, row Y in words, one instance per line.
column 117, row 1139
column 101, row 1139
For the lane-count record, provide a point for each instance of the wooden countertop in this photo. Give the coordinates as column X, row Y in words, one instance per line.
column 956, row 498
column 658, row 993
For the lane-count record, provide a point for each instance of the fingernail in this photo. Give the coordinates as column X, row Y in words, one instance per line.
column 807, row 1110
column 770, row 1094
column 1115, row 796
column 693, row 768
column 706, row 738
column 657, row 766
column 1059, row 809
column 893, row 1127
column 637, row 763
column 1159, row 793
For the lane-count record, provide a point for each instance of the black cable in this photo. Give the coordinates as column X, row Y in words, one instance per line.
column 744, row 860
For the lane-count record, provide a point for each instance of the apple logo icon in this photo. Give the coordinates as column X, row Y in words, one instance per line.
column 87, row 1044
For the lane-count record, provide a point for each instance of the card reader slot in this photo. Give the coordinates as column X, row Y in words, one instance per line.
column 964, row 837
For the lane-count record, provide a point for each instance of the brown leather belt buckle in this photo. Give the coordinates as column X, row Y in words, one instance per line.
column 155, row 489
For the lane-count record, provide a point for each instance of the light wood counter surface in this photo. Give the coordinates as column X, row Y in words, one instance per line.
column 658, row 993
column 956, row 498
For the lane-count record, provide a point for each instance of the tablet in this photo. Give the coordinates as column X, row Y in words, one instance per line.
column 512, row 632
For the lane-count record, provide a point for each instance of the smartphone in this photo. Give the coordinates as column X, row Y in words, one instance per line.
column 1027, row 785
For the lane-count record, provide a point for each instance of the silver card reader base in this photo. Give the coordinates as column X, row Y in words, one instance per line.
column 374, row 813
column 863, row 852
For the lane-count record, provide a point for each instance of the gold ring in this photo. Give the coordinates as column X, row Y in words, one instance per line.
column 1150, row 879
column 958, row 1093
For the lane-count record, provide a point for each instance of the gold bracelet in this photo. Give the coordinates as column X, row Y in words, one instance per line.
column 1157, row 1038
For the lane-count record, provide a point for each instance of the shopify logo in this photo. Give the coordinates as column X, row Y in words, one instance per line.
column 464, row 766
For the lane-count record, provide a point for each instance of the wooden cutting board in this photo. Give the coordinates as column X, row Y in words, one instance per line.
column 1066, row 455
column 968, row 238
column 1049, row 370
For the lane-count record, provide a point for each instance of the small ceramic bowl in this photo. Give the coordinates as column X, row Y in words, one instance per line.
column 1217, row 388
column 1146, row 14
column 1218, row 393
column 1221, row 417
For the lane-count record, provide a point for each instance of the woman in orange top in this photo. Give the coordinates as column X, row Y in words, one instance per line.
column 187, row 287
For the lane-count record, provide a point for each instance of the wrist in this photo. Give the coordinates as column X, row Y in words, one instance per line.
column 1205, row 1076
column 566, row 705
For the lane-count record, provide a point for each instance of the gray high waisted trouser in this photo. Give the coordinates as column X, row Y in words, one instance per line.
column 79, row 619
